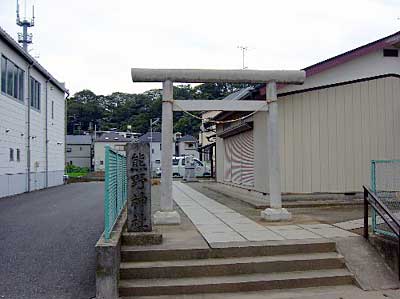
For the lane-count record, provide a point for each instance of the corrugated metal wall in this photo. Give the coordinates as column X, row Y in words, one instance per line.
column 239, row 159
column 329, row 136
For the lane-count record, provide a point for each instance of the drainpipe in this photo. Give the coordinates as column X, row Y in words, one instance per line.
column 47, row 135
column 28, row 152
column 65, row 127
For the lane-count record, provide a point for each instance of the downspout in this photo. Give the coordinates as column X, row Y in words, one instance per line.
column 28, row 153
column 65, row 127
column 47, row 135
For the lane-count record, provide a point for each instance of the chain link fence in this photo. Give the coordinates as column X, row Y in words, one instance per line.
column 385, row 183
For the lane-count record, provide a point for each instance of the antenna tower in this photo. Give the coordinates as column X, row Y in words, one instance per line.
column 25, row 38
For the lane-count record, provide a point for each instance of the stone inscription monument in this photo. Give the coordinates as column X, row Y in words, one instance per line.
column 139, row 187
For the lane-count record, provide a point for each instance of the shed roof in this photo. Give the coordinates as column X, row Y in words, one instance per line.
column 14, row 45
column 79, row 139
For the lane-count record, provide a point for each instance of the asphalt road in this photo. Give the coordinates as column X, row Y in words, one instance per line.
column 47, row 242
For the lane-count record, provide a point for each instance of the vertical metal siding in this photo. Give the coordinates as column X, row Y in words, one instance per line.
column 329, row 136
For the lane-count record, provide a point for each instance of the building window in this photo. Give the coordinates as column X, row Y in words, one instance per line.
column 160, row 146
column 12, row 79
column 152, row 150
column 34, row 93
column 69, row 149
column 18, row 155
column 80, row 148
column 189, row 145
column 11, row 154
column 101, row 162
column 390, row 53
column 52, row 109
column 119, row 147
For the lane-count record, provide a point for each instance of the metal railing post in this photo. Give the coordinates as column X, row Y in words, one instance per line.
column 107, row 194
column 365, row 214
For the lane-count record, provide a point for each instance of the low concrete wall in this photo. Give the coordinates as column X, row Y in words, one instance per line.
column 108, row 256
column 387, row 248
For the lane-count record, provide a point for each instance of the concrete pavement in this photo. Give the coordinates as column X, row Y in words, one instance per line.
column 218, row 223
column 47, row 242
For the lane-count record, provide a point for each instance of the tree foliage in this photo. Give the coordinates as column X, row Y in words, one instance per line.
column 118, row 110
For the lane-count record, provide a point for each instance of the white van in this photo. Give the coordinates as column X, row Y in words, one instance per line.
column 178, row 167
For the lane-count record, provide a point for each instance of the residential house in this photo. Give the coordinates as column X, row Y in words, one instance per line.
column 186, row 145
column 79, row 150
column 112, row 139
column 183, row 145
column 154, row 139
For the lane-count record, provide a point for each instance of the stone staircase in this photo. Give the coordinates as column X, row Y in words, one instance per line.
column 230, row 268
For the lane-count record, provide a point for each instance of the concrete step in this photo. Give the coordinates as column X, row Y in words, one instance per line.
column 230, row 266
column 324, row 292
column 236, row 283
column 141, row 254
column 138, row 239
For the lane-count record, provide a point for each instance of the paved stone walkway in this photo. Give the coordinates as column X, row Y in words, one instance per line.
column 218, row 223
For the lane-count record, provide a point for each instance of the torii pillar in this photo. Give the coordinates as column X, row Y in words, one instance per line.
column 167, row 215
column 275, row 212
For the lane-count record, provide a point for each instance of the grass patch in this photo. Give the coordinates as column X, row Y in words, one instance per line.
column 77, row 174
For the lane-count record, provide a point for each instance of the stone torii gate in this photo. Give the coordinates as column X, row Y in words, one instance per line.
column 167, row 215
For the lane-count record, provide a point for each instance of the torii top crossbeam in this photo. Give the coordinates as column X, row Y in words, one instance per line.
column 209, row 76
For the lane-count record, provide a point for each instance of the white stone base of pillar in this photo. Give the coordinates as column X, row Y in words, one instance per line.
column 166, row 217
column 271, row 214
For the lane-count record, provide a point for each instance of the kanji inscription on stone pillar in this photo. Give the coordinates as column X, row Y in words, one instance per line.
column 139, row 187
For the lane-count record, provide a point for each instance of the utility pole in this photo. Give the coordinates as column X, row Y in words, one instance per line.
column 25, row 38
column 151, row 140
column 244, row 50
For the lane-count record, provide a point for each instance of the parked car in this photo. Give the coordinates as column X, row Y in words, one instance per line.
column 178, row 167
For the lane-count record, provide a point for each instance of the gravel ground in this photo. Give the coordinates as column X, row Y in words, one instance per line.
column 47, row 242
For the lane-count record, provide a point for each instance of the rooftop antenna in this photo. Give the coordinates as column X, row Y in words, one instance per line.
column 244, row 50
column 25, row 38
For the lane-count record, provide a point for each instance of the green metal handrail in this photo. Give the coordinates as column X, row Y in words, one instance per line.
column 115, row 188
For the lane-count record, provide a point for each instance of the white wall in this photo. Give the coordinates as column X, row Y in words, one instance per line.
column 370, row 65
column 14, row 117
column 155, row 148
column 185, row 150
column 99, row 153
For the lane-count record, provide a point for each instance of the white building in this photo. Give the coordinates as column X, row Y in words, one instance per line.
column 154, row 139
column 32, row 122
column 186, row 146
column 331, row 127
column 182, row 146
column 112, row 139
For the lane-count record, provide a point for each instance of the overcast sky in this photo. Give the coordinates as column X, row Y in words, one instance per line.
column 92, row 44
